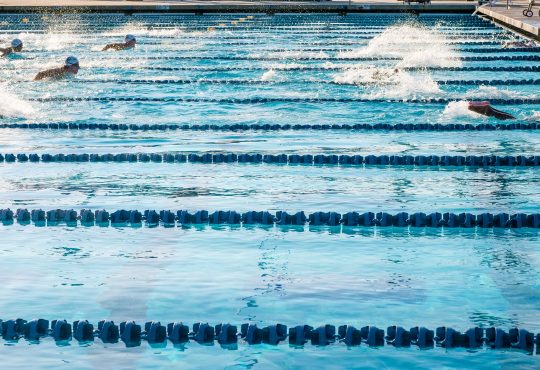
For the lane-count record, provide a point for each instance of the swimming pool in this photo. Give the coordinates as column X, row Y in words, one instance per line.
column 256, row 84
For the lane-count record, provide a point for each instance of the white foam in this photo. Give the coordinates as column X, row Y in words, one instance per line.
column 390, row 83
column 268, row 75
column 52, row 40
column 493, row 92
column 14, row 107
column 534, row 116
column 417, row 46
column 370, row 75
column 458, row 109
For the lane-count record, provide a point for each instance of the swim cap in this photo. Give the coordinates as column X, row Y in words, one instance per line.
column 71, row 61
column 130, row 38
column 16, row 43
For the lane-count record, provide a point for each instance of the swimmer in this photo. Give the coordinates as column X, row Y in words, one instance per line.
column 16, row 47
column 384, row 75
column 71, row 67
column 519, row 44
column 129, row 43
column 485, row 108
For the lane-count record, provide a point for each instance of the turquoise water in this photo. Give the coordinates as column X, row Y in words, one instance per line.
column 292, row 275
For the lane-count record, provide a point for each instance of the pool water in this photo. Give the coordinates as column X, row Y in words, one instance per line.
column 373, row 66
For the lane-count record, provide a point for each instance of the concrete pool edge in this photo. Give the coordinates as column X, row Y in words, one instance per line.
column 512, row 18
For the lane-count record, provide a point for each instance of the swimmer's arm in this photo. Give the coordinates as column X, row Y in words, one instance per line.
column 40, row 76
column 4, row 52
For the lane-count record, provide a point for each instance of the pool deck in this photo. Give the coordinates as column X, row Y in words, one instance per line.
column 237, row 6
column 513, row 17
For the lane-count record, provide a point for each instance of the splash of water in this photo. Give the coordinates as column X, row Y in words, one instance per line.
column 390, row 83
column 459, row 109
column 14, row 107
column 268, row 75
column 369, row 75
column 417, row 46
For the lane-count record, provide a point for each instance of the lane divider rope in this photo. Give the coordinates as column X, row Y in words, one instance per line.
column 333, row 49
column 278, row 127
column 87, row 217
column 324, row 58
column 304, row 82
column 306, row 159
column 227, row 335
column 317, row 68
column 254, row 100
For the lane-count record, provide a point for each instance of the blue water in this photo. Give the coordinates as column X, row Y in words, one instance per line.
column 293, row 275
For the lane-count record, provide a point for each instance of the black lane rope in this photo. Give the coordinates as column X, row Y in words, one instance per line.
column 229, row 336
column 307, row 159
column 304, row 82
column 246, row 25
column 261, row 100
column 407, row 127
column 88, row 217
column 235, row 23
column 307, row 49
column 337, row 68
column 285, row 68
column 326, row 58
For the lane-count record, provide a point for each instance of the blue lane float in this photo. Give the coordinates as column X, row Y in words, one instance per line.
column 261, row 100
column 522, row 82
column 277, row 127
column 228, row 335
column 286, row 159
column 334, row 68
column 486, row 58
column 86, row 217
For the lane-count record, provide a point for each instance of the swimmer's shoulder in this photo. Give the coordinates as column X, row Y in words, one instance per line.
column 50, row 73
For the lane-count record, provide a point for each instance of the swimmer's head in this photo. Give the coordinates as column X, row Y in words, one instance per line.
column 72, row 65
column 130, row 40
column 16, row 44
